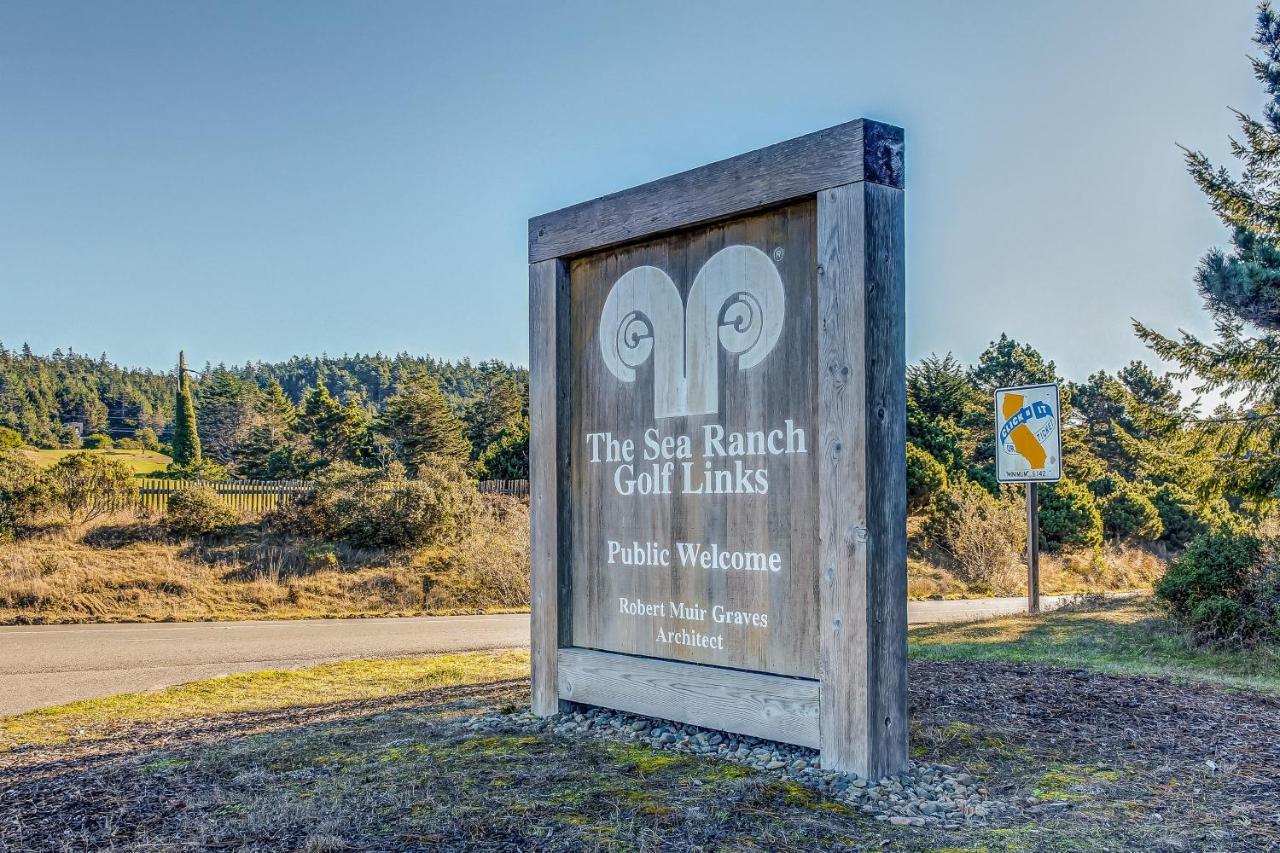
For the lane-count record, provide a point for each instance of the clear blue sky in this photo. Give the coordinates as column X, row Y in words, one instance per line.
column 253, row 180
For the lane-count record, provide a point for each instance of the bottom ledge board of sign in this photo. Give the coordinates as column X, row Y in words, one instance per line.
column 752, row 703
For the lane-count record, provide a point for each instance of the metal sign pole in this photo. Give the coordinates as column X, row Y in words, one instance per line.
column 1033, row 548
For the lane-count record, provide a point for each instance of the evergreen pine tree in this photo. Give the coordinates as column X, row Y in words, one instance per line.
column 1241, row 288
column 276, row 409
column 226, row 415
column 507, row 457
column 498, row 410
column 186, row 436
column 1007, row 362
column 268, row 452
column 357, row 427
column 323, row 423
column 941, row 387
column 419, row 424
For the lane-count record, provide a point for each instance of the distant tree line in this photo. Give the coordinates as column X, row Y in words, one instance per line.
column 41, row 395
column 283, row 420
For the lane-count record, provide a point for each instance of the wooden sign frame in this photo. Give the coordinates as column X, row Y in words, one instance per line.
column 855, row 712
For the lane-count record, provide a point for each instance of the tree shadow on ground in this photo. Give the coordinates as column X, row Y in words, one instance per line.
column 123, row 534
column 260, row 554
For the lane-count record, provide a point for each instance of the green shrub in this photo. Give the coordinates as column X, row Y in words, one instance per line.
column 925, row 478
column 383, row 509
column 940, row 438
column 1181, row 514
column 507, row 458
column 23, row 492
column 198, row 511
column 205, row 469
column 1126, row 512
column 1224, row 586
column 10, row 438
column 128, row 444
column 146, row 436
column 98, row 441
column 1214, row 564
column 85, row 486
column 1069, row 516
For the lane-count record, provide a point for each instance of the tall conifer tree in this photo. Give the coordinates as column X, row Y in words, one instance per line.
column 419, row 425
column 1241, row 288
column 186, row 437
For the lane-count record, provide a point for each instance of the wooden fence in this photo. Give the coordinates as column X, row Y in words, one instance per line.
column 262, row 495
column 241, row 495
column 520, row 488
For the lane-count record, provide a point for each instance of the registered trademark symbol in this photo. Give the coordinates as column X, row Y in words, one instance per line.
column 777, row 254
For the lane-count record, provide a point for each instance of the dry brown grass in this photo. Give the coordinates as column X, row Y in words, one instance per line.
column 1114, row 568
column 491, row 566
column 928, row 580
column 126, row 570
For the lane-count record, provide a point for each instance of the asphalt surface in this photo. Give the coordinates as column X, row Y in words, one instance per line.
column 46, row 665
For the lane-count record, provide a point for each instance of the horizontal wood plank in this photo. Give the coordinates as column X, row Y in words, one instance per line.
column 750, row 703
column 855, row 151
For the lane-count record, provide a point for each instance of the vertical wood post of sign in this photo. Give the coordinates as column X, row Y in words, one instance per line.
column 717, row 452
column 548, row 466
column 862, row 510
column 1033, row 548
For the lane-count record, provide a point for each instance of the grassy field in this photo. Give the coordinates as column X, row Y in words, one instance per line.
column 1128, row 635
column 376, row 755
column 259, row 691
column 141, row 462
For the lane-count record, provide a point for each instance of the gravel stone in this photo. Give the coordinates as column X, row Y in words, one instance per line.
column 926, row 795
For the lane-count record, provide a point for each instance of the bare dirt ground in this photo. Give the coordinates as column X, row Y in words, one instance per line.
column 1096, row 762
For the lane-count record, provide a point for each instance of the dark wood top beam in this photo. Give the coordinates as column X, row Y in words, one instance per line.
column 860, row 150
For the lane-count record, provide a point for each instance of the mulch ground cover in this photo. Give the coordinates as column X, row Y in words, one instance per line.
column 1094, row 762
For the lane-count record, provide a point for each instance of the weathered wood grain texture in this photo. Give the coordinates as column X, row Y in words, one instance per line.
column 886, row 450
column 860, row 150
column 861, row 479
column 548, row 285
column 842, row 493
column 769, row 706
column 763, row 397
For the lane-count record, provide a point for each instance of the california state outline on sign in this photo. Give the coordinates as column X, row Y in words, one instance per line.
column 1028, row 434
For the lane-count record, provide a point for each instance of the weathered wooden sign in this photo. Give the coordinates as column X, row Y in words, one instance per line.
column 717, row 458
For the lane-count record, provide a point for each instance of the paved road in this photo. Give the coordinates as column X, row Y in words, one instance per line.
column 51, row 664
column 925, row 612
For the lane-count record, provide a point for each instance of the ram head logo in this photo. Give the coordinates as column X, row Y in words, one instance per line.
column 736, row 301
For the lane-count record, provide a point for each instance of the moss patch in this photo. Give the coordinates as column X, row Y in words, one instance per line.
column 1070, row 783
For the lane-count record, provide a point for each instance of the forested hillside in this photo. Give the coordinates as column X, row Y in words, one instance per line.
column 39, row 394
column 269, row 419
